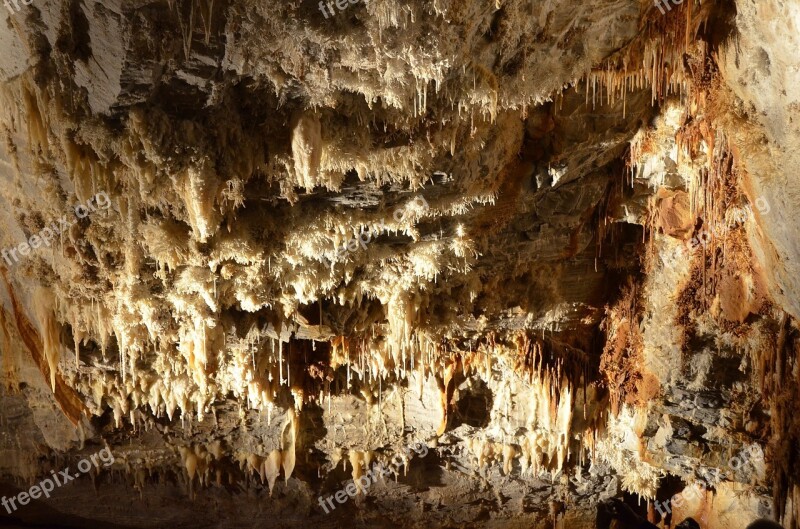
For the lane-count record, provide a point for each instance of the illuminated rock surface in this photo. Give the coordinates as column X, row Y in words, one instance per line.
column 557, row 242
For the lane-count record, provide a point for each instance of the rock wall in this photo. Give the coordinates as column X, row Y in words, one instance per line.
column 255, row 249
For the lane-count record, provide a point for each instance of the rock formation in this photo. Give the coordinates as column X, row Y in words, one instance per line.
column 257, row 250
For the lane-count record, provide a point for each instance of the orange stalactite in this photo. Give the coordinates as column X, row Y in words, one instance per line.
column 66, row 397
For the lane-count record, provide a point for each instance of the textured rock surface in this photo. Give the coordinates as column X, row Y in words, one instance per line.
column 553, row 241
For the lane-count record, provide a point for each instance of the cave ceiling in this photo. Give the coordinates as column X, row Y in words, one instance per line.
column 254, row 249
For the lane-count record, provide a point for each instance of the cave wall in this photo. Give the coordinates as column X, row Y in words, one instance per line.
column 552, row 241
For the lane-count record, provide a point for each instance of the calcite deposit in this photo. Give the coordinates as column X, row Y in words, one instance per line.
column 556, row 243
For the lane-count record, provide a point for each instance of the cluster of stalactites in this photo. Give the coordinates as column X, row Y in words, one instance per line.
column 654, row 59
column 202, row 461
